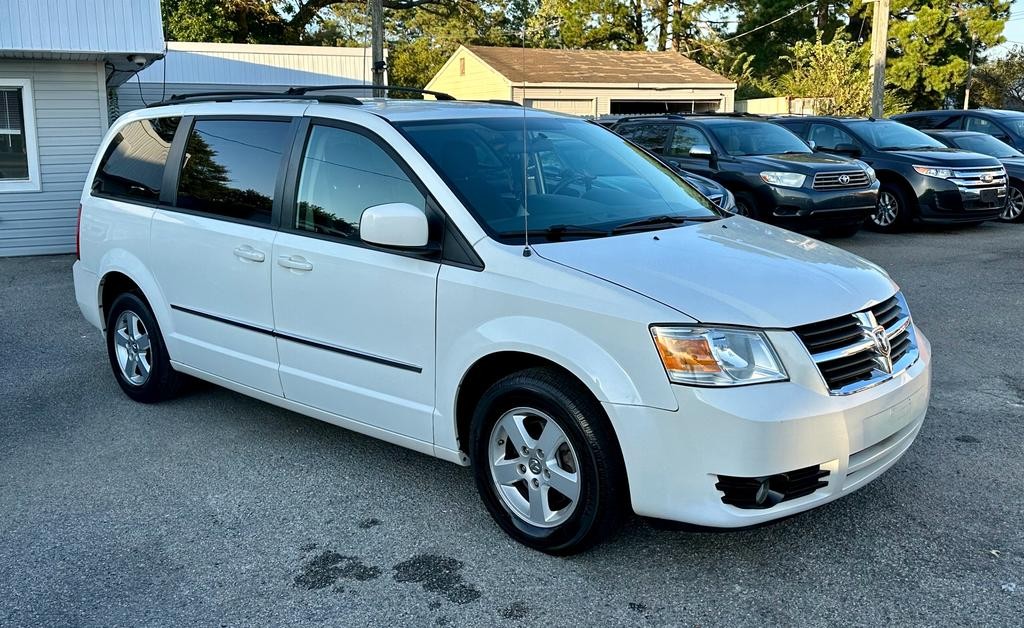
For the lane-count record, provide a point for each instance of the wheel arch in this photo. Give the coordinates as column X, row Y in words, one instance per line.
column 890, row 177
column 121, row 272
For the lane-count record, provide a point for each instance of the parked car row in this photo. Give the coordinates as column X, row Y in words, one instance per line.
column 833, row 174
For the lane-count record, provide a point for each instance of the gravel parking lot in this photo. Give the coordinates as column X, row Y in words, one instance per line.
column 216, row 509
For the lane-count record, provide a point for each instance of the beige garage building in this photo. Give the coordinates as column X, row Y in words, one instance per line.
column 588, row 83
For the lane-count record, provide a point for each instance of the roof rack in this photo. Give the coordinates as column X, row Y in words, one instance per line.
column 297, row 93
column 229, row 96
column 301, row 91
column 499, row 101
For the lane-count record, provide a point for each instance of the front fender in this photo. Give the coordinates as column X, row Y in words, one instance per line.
column 611, row 380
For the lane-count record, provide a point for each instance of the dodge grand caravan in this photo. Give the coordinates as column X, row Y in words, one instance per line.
column 585, row 330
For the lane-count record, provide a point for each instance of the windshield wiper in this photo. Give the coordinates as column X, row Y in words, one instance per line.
column 556, row 232
column 660, row 222
column 899, row 148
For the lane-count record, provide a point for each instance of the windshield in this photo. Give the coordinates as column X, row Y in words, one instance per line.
column 987, row 145
column 756, row 138
column 577, row 176
column 891, row 135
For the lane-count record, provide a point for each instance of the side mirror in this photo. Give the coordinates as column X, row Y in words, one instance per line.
column 812, row 144
column 398, row 225
column 700, row 151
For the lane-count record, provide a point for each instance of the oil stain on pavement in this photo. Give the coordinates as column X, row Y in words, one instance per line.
column 328, row 567
column 437, row 574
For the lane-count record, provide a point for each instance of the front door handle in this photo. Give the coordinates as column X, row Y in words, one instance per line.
column 247, row 252
column 295, row 262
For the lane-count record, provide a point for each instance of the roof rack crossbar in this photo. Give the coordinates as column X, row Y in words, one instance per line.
column 387, row 88
column 178, row 99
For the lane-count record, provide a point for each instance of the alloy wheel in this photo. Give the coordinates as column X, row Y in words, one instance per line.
column 534, row 467
column 133, row 348
column 887, row 210
column 1014, row 204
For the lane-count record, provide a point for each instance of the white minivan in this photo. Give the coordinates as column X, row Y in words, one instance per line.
column 522, row 292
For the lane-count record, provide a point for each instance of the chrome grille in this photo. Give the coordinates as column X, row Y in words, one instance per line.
column 840, row 180
column 850, row 351
column 983, row 177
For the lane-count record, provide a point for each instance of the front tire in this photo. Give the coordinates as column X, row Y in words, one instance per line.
column 1014, row 211
column 137, row 352
column 745, row 206
column 546, row 462
column 892, row 213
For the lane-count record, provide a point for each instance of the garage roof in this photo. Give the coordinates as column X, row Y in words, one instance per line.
column 543, row 65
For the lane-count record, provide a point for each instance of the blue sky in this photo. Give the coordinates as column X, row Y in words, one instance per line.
column 1014, row 31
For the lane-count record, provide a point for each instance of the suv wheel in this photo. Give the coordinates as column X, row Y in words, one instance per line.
column 1014, row 211
column 892, row 211
column 546, row 463
column 745, row 205
column 137, row 352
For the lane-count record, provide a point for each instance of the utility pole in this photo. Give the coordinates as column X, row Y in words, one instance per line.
column 377, row 44
column 879, row 39
column 970, row 75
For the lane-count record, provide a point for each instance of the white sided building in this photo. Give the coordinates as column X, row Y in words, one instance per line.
column 58, row 59
column 190, row 67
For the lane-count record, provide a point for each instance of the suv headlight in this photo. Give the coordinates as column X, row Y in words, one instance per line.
column 717, row 356
column 871, row 173
column 784, row 179
column 932, row 171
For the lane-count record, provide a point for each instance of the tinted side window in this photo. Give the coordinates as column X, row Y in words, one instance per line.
column 829, row 137
column 133, row 165
column 981, row 125
column 684, row 138
column 230, row 168
column 650, row 136
column 342, row 174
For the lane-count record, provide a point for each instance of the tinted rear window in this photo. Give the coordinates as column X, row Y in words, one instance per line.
column 133, row 165
column 230, row 168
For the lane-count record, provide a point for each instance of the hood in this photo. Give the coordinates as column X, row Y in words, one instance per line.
column 804, row 163
column 1014, row 166
column 947, row 157
column 733, row 271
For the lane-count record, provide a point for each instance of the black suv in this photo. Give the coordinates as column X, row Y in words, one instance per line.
column 1001, row 124
column 1011, row 158
column 921, row 178
column 774, row 176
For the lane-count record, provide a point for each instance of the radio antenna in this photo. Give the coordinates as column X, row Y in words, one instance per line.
column 526, row 157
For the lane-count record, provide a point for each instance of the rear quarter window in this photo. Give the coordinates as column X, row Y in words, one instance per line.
column 650, row 136
column 133, row 164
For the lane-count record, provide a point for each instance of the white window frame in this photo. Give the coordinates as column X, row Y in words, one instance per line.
column 28, row 108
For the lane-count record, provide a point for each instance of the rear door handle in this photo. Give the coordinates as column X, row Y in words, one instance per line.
column 295, row 262
column 247, row 252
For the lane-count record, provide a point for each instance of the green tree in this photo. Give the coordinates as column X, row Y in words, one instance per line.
column 837, row 75
column 1000, row 83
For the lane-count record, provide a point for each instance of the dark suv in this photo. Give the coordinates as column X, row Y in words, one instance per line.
column 921, row 178
column 1001, row 124
column 774, row 175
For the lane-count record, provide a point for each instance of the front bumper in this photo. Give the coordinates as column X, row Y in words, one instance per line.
column 674, row 459
column 945, row 202
column 803, row 206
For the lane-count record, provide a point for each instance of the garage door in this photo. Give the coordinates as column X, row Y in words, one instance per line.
column 576, row 107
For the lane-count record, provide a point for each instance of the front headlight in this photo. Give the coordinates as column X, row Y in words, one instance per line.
column 932, row 171
column 784, row 179
column 871, row 173
column 717, row 356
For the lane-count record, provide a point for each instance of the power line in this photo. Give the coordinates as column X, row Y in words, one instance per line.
column 754, row 30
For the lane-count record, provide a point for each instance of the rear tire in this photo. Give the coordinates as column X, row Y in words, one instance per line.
column 892, row 213
column 546, row 462
column 137, row 352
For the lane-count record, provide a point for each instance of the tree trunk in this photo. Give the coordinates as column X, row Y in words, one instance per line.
column 677, row 25
column 662, row 17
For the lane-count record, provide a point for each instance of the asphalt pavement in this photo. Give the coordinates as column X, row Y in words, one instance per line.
column 216, row 509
